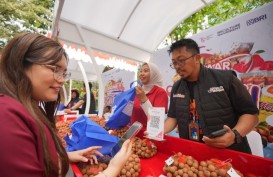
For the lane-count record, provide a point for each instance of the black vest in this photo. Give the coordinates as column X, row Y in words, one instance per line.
column 211, row 94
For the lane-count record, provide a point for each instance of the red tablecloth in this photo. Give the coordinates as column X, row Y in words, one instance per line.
column 247, row 164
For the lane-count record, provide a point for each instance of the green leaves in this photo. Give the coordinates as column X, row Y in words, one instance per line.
column 213, row 14
column 24, row 15
column 259, row 51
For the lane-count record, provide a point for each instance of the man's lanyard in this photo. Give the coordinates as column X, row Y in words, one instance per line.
column 194, row 130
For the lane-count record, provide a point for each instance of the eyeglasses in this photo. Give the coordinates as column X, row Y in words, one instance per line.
column 180, row 62
column 58, row 74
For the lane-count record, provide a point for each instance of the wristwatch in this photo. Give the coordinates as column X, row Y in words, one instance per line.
column 238, row 137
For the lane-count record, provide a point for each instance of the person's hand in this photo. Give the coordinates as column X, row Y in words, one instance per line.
column 140, row 93
column 221, row 142
column 85, row 154
column 122, row 156
column 67, row 110
column 146, row 134
column 119, row 160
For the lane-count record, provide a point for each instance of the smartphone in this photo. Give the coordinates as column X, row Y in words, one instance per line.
column 218, row 133
column 130, row 133
column 140, row 83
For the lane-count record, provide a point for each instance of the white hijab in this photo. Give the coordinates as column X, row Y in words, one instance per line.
column 155, row 78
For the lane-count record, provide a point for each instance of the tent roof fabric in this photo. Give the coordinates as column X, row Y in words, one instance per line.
column 128, row 28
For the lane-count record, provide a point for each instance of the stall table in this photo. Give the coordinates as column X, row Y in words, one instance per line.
column 249, row 165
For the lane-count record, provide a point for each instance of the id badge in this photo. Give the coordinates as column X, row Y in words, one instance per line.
column 193, row 131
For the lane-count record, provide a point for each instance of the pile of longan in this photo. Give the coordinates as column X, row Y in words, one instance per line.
column 187, row 166
column 132, row 167
column 63, row 128
column 99, row 120
column 182, row 165
column 144, row 148
column 215, row 168
column 119, row 133
column 90, row 170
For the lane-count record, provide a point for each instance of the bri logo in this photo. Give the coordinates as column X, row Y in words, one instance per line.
column 216, row 89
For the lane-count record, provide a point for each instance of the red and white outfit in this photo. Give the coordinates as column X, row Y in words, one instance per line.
column 157, row 97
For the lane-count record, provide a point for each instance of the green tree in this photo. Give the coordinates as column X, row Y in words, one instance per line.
column 213, row 14
column 24, row 16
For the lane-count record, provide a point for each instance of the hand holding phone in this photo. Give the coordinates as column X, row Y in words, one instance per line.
column 130, row 133
column 218, row 133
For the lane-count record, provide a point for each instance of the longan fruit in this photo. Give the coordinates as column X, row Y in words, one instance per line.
column 128, row 173
column 203, row 163
column 207, row 173
column 190, row 162
column 123, row 171
column 190, row 173
column 213, row 174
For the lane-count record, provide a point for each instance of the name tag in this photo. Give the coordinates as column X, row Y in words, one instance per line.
column 179, row 95
column 216, row 89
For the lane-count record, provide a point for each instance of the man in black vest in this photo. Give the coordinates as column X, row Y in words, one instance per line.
column 206, row 100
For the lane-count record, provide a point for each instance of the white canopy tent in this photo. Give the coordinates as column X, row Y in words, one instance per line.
column 131, row 29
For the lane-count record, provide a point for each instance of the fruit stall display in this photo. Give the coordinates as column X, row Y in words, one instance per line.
column 204, row 160
column 189, row 158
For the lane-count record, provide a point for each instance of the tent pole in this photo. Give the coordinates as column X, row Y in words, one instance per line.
column 101, row 89
column 86, row 86
column 58, row 7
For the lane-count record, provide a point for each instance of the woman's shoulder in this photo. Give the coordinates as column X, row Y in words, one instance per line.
column 14, row 112
column 10, row 106
column 8, row 101
column 158, row 89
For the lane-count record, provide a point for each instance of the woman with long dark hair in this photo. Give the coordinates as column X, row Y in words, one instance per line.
column 33, row 69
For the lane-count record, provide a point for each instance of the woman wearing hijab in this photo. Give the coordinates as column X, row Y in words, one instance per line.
column 151, row 94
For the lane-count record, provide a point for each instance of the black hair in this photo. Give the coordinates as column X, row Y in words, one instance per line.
column 24, row 51
column 77, row 92
column 234, row 73
column 188, row 43
column 90, row 85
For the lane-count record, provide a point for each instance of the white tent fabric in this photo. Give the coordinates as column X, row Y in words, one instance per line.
column 77, row 55
column 130, row 29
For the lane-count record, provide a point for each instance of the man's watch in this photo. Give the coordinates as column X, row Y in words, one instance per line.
column 238, row 137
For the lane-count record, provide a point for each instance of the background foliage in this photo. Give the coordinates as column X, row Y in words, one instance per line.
column 36, row 16
column 24, row 16
column 213, row 14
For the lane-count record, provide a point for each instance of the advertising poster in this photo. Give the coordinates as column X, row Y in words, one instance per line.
column 116, row 81
column 244, row 45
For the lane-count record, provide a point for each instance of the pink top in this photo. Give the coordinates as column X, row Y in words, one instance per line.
column 158, row 98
